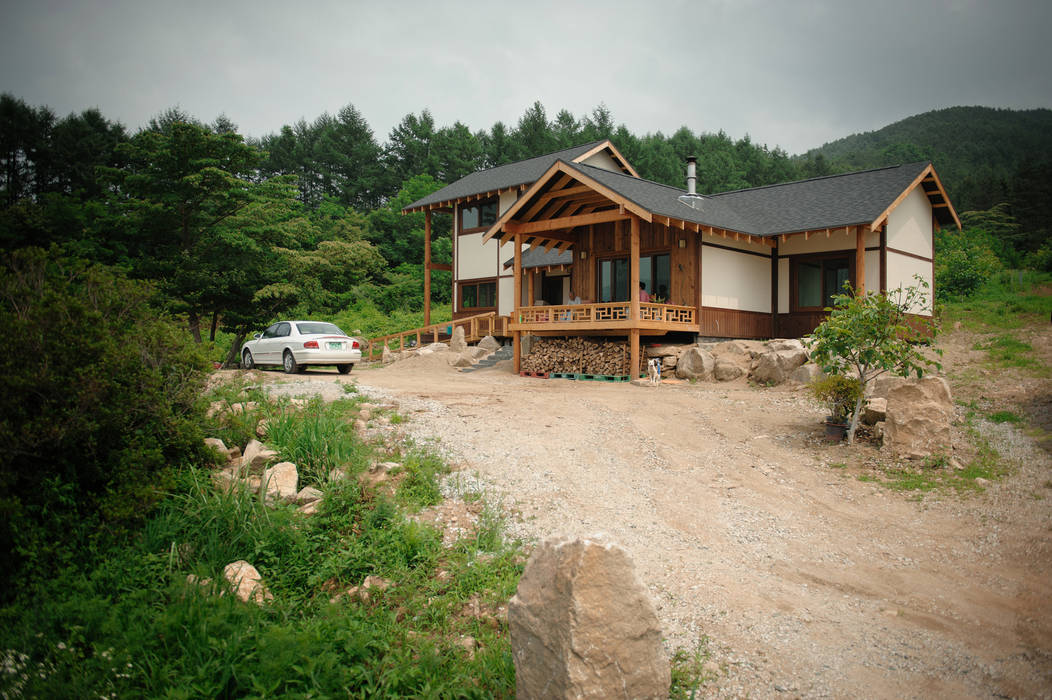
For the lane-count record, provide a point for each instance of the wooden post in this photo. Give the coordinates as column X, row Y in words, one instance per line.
column 860, row 260
column 633, row 297
column 516, row 336
column 531, row 287
column 427, row 267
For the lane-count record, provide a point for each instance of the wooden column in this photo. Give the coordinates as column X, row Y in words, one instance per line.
column 774, row 289
column 633, row 297
column 516, row 336
column 531, row 287
column 427, row 267
column 860, row 260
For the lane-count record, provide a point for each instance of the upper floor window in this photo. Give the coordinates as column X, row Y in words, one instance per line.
column 478, row 216
column 815, row 279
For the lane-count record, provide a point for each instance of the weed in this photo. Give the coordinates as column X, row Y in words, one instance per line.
column 319, row 438
column 1008, row 351
column 1006, row 417
column 690, row 671
column 868, row 478
column 838, row 465
column 420, row 487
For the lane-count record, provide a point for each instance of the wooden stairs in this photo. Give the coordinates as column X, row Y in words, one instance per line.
column 475, row 329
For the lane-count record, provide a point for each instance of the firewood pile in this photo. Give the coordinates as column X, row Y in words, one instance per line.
column 577, row 355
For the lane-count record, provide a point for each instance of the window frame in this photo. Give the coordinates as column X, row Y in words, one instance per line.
column 476, row 283
column 494, row 201
column 822, row 258
column 652, row 254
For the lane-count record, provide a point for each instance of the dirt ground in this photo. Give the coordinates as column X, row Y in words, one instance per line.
column 751, row 531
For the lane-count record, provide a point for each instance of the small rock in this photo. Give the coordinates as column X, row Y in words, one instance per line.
column 281, row 482
column 256, row 457
column 261, row 428
column 489, row 343
column 980, row 481
column 309, row 494
column 247, row 583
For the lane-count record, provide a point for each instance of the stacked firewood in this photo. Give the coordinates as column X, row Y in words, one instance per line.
column 577, row 355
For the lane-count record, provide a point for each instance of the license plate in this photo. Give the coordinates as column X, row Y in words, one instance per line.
column 336, row 346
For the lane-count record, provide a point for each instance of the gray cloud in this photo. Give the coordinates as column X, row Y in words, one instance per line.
column 792, row 74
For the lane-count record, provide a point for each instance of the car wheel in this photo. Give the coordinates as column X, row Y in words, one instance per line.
column 344, row 369
column 290, row 363
column 246, row 360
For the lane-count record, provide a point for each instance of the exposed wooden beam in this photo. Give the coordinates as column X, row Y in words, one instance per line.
column 566, row 222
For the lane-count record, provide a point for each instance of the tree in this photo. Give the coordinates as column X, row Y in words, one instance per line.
column 870, row 334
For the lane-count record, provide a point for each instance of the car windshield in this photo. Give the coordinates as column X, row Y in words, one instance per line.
column 316, row 327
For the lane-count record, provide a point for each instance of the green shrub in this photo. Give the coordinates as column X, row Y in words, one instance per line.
column 100, row 401
column 837, row 393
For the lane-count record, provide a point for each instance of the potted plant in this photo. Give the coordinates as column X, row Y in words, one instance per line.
column 840, row 395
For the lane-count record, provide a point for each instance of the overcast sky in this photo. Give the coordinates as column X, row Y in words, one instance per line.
column 790, row 74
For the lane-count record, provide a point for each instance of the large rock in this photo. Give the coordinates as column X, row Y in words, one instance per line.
column 880, row 387
column 490, row 343
column 665, row 350
column 387, row 357
column 727, row 370
column 583, row 626
column 875, row 411
column 775, row 367
column 246, row 582
column 462, row 359
column 281, row 482
column 780, row 344
column 256, row 457
column 918, row 418
column 478, row 352
column 747, row 349
column 457, row 342
column 807, row 373
column 695, row 363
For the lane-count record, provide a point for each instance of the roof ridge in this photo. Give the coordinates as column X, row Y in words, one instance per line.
column 820, row 177
column 527, row 160
column 626, row 175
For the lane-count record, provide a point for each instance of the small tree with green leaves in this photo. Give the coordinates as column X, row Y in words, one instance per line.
column 870, row 334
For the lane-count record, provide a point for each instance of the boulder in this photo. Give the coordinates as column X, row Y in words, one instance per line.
column 780, row 344
column 748, row 349
column 918, row 418
column 387, row 357
column 246, row 582
column 490, row 343
column 665, row 350
column 668, row 363
column 727, row 370
column 478, row 352
column 457, row 343
column 217, row 445
column 256, row 457
column 583, row 626
column 807, row 373
column 437, row 347
column 775, row 367
column 281, row 482
column 874, row 411
column 309, row 494
column 695, row 363
column 882, row 385
column 462, row 359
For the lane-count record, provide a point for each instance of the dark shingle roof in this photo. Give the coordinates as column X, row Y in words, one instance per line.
column 524, row 172
column 539, row 257
column 832, row 201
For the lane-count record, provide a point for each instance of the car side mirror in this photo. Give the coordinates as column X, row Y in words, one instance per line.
column 257, row 336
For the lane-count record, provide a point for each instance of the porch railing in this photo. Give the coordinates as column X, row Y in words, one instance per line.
column 598, row 314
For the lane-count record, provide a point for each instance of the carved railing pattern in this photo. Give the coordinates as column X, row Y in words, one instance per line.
column 605, row 312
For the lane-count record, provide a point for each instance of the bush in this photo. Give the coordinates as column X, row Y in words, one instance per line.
column 100, row 402
column 839, row 394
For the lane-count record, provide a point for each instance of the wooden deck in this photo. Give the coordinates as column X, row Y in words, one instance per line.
column 475, row 329
column 581, row 319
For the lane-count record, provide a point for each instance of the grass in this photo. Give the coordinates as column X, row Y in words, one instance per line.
column 1009, row 300
column 691, row 670
column 1008, row 351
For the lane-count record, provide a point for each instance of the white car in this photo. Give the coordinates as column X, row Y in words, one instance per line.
column 296, row 344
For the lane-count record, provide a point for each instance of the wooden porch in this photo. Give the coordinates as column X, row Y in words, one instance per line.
column 611, row 318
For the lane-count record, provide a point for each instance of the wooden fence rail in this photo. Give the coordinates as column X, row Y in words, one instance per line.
column 475, row 329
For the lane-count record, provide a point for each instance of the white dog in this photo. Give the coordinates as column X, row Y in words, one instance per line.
column 654, row 370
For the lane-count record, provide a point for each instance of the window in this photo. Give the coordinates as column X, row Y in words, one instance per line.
column 478, row 295
column 817, row 279
column 654, row 272
column 478, row 216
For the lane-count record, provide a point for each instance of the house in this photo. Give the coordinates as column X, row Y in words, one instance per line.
column 754, row 263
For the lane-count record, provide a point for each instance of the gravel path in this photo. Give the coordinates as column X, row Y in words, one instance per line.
column 749, row 530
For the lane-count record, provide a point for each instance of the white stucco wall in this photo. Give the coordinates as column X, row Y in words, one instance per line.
column 732, row 280
column 505, row 295
column 506, row 200
column 872, row 270
column 603, row 160
column 909, row 226
column 474, row 258
column 901, row 269
column 783, row 286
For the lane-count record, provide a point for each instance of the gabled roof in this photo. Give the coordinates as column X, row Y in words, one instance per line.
column 502, row 177
column 850, row 199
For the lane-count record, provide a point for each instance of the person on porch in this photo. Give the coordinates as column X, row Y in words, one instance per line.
column 643, row 296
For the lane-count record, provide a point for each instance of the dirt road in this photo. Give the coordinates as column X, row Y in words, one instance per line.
column 751, row 531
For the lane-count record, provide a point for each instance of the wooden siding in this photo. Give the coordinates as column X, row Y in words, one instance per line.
column 734, row 323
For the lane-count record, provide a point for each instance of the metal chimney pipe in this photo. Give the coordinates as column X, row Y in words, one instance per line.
column 692, row 174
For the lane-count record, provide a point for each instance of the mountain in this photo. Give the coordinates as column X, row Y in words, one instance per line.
column 983, row 155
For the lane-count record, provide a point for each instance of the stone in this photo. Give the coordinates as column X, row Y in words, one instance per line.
column 256, row 457
column 437, row 347
column 874, row 411
column 980, row 481
column 309, row 494
column 457, row 343
column 775, row 367
column 919, row 414
column 217, row 445
column 748, row 349
column 224, row 479
column 281, row 482
column 489, row 343
column 780, row 344
column 665, row 350
column 695, row 363
column 387, row 357
column 246, row 582
column 362, row 592
column 261, row 428
column 526, row 344
column 377, row 473
column 360, row 426
column 469, row 644
column 463, row 359
column 365, row 413
column 309, row 508
column 668, row 363
column 879, row 387
column 727, row 370
column 478, row 352
column 583, row 626
column 807, row 373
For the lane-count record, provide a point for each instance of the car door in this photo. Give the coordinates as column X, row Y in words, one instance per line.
column 278, row 342
column 264, row 347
